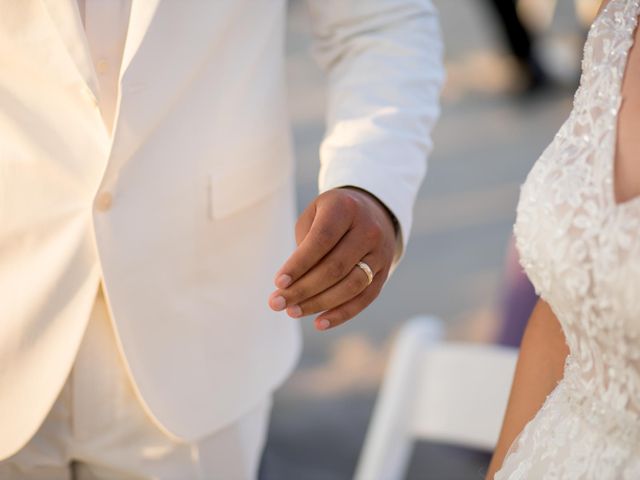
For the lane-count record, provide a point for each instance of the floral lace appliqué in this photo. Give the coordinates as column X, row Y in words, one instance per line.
column 581, row 251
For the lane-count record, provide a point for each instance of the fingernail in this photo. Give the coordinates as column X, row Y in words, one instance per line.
column 294, row 311
column 283, row 281
column 278, row 303
column 323, row 324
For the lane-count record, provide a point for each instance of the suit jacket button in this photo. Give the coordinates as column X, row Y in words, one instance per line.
column 102, row 66
column 104, row 201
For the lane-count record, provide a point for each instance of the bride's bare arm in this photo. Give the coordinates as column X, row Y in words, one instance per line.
column 602, row 5
column 540, row 368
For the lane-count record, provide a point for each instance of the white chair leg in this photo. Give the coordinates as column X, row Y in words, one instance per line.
column 388, row 443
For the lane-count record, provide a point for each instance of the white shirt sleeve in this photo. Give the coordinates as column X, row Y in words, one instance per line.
column 383, row 59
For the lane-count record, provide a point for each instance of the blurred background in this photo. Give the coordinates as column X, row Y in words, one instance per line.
column 509, row 88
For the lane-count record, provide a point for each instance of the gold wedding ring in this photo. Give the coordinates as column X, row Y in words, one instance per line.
column 367, row 271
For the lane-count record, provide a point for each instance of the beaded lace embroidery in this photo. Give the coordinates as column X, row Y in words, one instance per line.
column 581, row 251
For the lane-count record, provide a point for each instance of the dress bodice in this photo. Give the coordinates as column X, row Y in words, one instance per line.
column 581, row 251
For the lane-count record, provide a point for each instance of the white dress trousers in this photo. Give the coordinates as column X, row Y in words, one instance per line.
column 98, row 429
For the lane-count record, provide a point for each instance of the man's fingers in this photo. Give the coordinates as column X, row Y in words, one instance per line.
column 304, row 222
column 329, row 225
column 283, row 280
column 338, row 315
column 333, row 235
column 347, row 288
column 329, row 271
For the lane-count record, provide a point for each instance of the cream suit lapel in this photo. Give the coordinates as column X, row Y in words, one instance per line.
column 65, row 16
column 142, row 13
column 166, row 44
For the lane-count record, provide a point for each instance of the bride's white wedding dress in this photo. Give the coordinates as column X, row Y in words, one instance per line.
column 581, row 250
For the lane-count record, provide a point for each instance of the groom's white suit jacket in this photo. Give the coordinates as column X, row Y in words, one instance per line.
column 186, row 213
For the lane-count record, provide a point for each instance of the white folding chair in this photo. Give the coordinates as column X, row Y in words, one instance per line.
column 442, row 391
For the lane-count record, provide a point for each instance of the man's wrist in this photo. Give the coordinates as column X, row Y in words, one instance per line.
column 390, row 215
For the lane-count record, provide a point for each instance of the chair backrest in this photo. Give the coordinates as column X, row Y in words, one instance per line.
column 450, row 392
column 462, row 393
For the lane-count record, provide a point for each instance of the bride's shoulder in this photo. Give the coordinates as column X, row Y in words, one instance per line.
column 603, row 4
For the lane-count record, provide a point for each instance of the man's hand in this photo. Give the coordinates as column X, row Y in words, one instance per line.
column 336, row 231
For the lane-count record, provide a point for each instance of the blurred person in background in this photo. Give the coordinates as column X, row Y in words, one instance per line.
column 146, row 203
column 575, row 400
column 520, row 40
